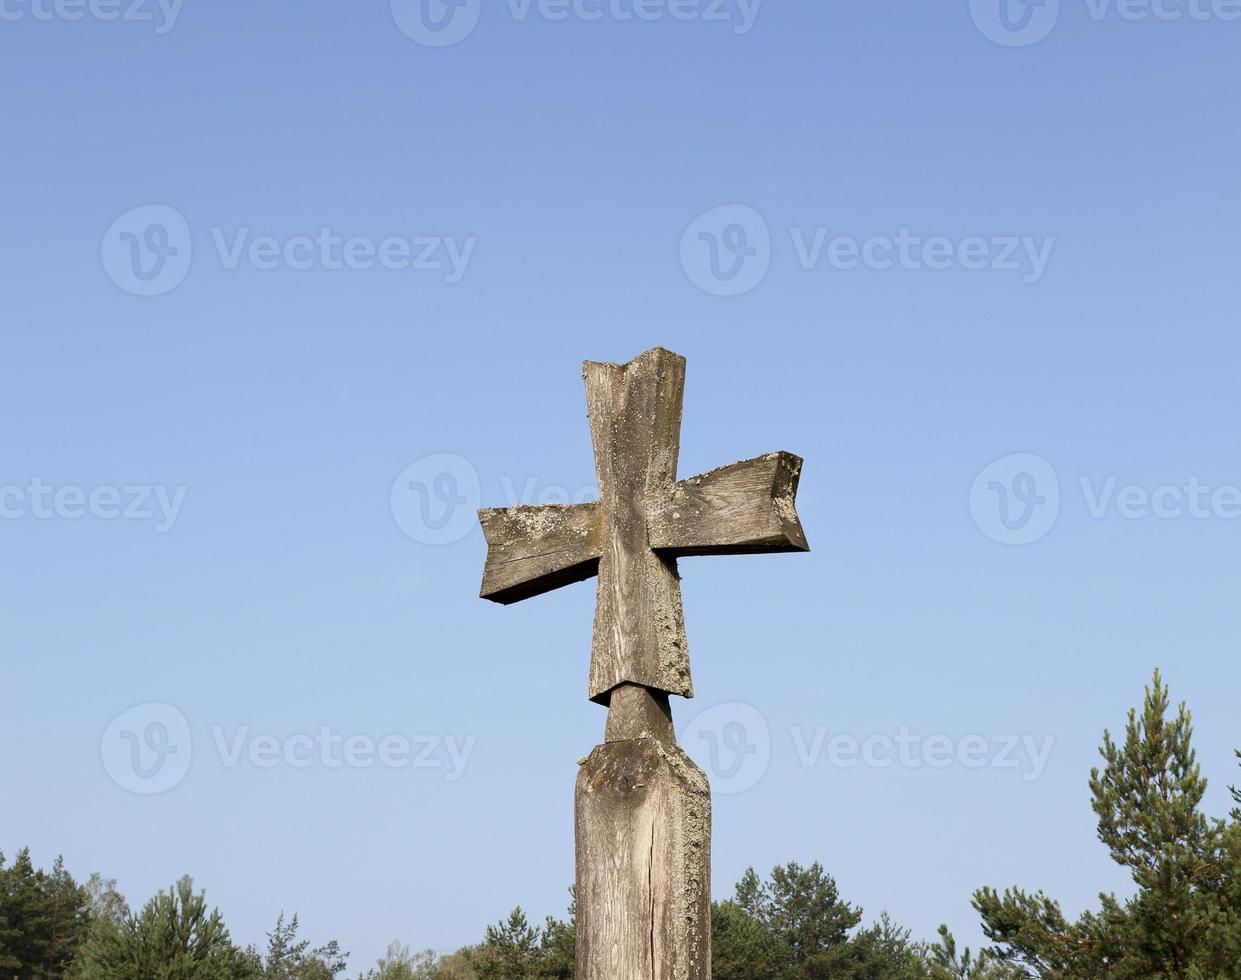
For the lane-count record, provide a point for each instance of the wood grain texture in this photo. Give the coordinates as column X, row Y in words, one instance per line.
column 639, row 712
column 745, row 508
column 643, row 825
column 635, row 423
column 532, row 550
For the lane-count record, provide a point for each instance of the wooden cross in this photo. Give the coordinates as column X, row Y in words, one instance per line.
column 643, row 808
column 644, row 521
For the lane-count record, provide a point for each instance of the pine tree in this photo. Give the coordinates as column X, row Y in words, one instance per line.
column 795, row 926
column 28, row 917
column 174, row 937
column 9, row 927
column 290, row 958
column 510, row 950
column 741, row 947
column 68, row 919
column 1182, row 920
column 943, row 962
column 43, row 919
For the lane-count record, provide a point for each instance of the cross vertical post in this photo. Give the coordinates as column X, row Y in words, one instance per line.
column 642, row 808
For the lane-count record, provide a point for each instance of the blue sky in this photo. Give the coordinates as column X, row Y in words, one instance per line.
column 264, row 263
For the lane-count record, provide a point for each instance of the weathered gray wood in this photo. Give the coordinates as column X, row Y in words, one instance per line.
column 639, row 712
column 532, row 550
column 746, row 508
column 643, row 809
column 635, row 422
column 642, row 523
column 643, row 822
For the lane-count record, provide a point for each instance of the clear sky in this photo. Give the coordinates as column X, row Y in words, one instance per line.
column 959, row 262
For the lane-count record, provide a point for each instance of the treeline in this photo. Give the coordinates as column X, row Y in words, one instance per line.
column 792, row 925
column 51, row 928
column 1182, row 920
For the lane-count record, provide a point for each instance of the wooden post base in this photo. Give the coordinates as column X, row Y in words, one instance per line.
column 643, row 821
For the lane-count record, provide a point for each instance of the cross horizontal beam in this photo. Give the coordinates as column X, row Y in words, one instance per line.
column 743, row 509
column 532, row 550
column 747, row 508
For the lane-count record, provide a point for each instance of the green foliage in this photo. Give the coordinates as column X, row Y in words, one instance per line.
column 454, row 967
column 1183, row 918
column 515, row 950
column 795, row 926
column 886, row 952
column 510, row 951
column 944, row 963
column 559, row 947
column 174, row 937
column 399, row 964
column 741, row 948
column 43, row 919
column 106, row 904
column 290, row 958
